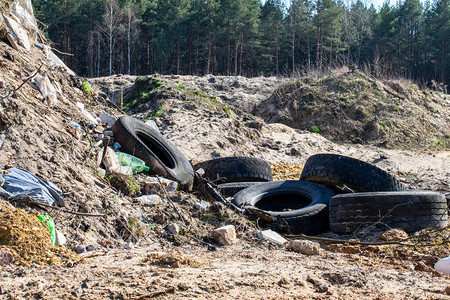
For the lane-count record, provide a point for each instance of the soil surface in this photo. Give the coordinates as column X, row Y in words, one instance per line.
column 125, row 249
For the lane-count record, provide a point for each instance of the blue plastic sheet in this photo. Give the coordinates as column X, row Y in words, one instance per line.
column 22, row 185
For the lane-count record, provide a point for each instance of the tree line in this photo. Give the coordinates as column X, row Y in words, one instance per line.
column 249, row 38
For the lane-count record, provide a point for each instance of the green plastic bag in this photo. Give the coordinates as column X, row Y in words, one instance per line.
column 51, row 225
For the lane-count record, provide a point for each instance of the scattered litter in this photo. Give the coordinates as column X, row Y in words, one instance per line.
column 87, row 114
column 19, row 33
column 153, row 125
column 43, row 84
column 168, row 184
column 128, row 246
column 136, row 164
column 23, row 185
column 23, row 11
column 202, row 205
column 107, row 118
column 2, row 139
column 150, row 200
column 272, row 236
column 443, row 266
column 55, row 62
column 173, row 228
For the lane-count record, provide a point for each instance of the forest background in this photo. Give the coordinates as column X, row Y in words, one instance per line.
column 250, row 38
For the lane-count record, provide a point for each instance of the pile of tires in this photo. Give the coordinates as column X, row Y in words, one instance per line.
column 334, row 192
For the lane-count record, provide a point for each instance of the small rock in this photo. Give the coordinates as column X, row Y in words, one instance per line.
column 322, row 288
column 447, row 290
column 101, row 172
column 373, row 249
column 304, row 247
column 173, row 228
column 107, row 118
column 6, row 257
column 152, row 188
column 2, row 83
column 80, row 249
column 202, row 205
column 160, row 219
column 225, row 235
column 421, row 266
column 352, row 249
column 90, row 248
column 128, row 246
column 272, row 236
column 184, row 286
column 395, row 234
column 217, row 207
column 335, row 247
column 77, row 292
column 294, row 152
column 283, row 282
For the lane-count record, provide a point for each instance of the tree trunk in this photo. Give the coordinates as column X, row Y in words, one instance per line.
column 236, row 46
column 276, row 55
column 318, row 58
column 90, row 55
column 98, row 53
column 129, row 43
column 208, row 63
column 241, row 54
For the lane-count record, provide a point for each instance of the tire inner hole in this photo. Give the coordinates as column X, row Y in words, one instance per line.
column 283, row 202
column 156, row 149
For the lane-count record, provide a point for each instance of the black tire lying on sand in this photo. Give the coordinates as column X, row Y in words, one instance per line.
column 302, row 205
column 410, row 210
column 159, row 154
column 232, row 188
column 333, row 169
column 236, row 169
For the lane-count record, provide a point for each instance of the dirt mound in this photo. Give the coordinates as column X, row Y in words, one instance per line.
column 349, row 107
column 28, row 239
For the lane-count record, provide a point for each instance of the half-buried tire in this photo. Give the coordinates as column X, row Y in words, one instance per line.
column 236, row 169
column 332, row 169
column 410, row 210
column 161, row 156
column 302, row 205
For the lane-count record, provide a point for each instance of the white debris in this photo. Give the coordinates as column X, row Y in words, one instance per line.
column 272, row 236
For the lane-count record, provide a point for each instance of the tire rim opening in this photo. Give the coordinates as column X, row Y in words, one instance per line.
column 156, row 149
column 283, row 202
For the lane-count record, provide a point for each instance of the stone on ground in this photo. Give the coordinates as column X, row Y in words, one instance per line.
column 225, row 235
column 304, row 247
column 395, row 234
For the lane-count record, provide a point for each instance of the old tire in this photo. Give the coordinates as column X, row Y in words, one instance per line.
column 232, row 188
column 302, row 205
column 333, row 169
column 409, row 210
column 236, row 169
column 159, row 154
